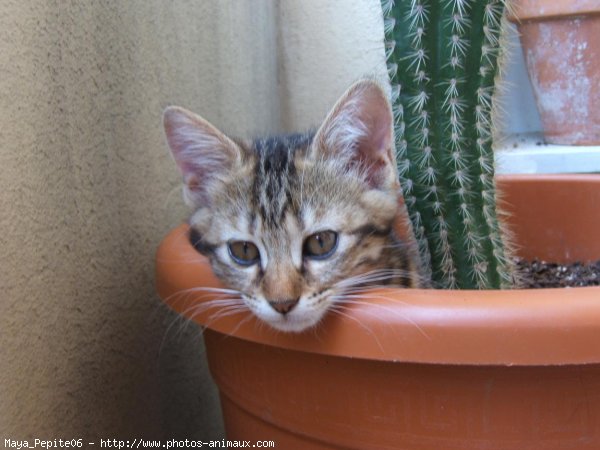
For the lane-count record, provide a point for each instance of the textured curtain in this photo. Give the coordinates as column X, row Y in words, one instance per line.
column 88, row 189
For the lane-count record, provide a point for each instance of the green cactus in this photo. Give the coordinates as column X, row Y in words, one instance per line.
column 443, row 60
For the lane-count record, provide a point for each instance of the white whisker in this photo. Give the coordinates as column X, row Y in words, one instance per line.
column 241, row 322
column 336, row 310
column 224, row 312
column 392, row 311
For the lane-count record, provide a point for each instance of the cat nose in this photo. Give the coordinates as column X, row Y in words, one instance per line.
column 284, row 306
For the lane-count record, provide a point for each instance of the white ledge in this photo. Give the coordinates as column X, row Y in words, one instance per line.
column 528, row 154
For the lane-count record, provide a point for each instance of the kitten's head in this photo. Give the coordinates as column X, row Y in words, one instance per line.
column 286, row 221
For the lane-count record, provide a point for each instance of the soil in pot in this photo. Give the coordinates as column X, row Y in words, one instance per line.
column 542, row 274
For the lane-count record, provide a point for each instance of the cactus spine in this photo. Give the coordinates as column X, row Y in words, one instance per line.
column 443, row 60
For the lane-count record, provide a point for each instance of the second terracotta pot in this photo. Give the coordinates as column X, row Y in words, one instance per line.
column 561, row 45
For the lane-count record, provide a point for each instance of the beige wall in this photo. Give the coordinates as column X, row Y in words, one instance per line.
column 324, row 47
column 87, row 189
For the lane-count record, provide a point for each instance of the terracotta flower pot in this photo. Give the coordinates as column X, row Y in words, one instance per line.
column 561, row 44
column 423, row 369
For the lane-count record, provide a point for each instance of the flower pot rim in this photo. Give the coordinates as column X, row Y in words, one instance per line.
column 526, row 10
column 513, row 327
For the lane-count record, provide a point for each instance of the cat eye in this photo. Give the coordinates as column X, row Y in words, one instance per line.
column 321, row 245
column 244, row 253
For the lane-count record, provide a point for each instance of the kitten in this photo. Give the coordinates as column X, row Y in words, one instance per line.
column 294, row 222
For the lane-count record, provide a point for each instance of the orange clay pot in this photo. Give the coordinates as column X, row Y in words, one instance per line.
column 561, row 44
column 423, row 369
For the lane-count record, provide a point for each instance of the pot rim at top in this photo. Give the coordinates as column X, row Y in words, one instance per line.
column 531, row 10
column 463, row 327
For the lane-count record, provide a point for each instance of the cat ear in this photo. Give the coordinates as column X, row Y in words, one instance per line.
column 203, row 154
column 359, row 132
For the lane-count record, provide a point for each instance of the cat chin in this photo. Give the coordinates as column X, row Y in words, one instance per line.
column 291, row 323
